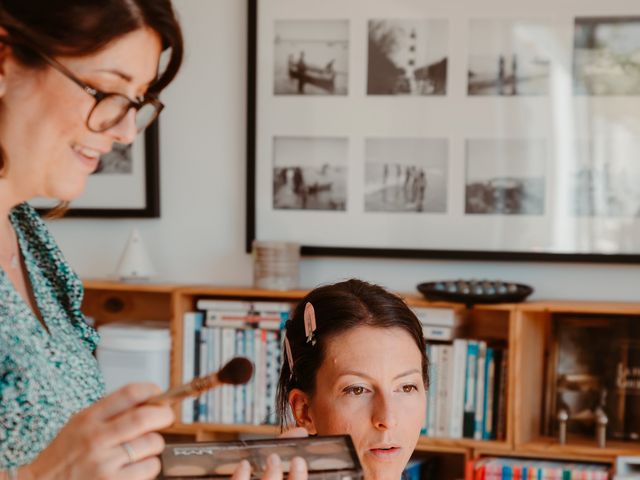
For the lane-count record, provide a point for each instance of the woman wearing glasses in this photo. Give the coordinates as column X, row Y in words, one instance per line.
column 75, row 77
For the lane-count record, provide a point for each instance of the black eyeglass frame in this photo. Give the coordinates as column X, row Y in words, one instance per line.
column 99, row 96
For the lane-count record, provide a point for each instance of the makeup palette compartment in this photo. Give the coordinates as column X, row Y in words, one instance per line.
column 328, row 458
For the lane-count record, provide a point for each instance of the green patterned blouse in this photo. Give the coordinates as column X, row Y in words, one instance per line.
column 45, row 377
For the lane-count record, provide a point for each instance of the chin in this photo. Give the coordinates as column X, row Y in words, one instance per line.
column 383, row 472
column 69, row 191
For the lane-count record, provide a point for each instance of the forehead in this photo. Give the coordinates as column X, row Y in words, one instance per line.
column 372, row 350
column 135, row 53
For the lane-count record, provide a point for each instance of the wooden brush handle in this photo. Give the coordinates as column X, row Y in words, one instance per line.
column 192, row 389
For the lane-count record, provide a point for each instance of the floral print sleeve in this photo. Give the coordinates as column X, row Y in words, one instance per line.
column 46, row 374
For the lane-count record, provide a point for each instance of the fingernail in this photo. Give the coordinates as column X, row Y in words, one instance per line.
column 244, row 466
column 273, row 461
column 297, row 465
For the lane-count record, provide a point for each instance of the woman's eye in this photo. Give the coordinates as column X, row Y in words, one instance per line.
column 409, row 388
column 355, row 390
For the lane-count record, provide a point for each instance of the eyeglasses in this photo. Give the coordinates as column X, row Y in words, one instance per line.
column 110, row 108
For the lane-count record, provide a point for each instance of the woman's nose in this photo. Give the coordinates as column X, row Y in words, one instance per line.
column 125, row 130
column 384, row 416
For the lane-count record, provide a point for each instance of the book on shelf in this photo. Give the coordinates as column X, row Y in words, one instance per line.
column 467, row 391
column 468, row 418
column 439, row 323
column 226, row 329
column 191, row 323
column 506, row 468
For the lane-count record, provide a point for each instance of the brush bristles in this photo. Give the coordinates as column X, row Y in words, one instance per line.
column 237, row 372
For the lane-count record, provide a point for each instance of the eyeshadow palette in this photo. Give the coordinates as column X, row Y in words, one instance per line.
column 328, row 458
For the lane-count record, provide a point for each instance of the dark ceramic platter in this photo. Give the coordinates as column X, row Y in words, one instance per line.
column 471, row 292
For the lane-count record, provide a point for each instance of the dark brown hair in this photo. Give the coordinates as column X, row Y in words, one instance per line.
column 83, row 27
column 339, row 308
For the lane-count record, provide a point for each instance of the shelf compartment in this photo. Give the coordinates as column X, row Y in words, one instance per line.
column 578, row 448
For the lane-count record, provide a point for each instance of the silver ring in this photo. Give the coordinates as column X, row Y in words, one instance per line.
column 131, row 453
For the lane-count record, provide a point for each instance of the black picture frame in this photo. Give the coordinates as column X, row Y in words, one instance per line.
column 151, row 183
column 254, row 149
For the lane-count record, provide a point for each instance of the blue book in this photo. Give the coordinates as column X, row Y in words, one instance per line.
column 468, row 419
column 197, row 332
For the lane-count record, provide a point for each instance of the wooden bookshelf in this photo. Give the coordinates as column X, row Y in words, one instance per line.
column 525, row 328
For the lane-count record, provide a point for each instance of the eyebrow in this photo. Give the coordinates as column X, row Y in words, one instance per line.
column 128, row 78
column 118, row 73
column 364, row 375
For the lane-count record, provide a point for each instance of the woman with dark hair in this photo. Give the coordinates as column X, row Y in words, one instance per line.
column 355, row 363
column 75, row 77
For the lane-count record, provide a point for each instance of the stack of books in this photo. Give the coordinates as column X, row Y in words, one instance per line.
column 467, row 394
column 496, row 468
column 219, row 331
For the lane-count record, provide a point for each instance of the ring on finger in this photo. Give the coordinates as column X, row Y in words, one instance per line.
column 131, row 453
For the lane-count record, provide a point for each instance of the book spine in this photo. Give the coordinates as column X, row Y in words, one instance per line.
column 228, row 352
column 501, row 410
column 216, row 400
column 239, row 391
column 249, row 353
column 433, row 391
column 261, row 376
column 431, row 332
column 211, row 367
column 188, row 356
column 224, row 305
column 444, row 379
column 480, row 387
column 457, row 391
column 243, row 306
column 470, row 389
column 437, row 317
column 196, row 363
column 272, row 376
column 487, row 429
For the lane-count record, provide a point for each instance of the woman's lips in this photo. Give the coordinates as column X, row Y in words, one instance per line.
column 87, row 157
column 385, row 452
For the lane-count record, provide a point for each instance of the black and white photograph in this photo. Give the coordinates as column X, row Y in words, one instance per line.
column 310, row 173
column 406, row 175
column 606, row 178
column 507, row 57
column 606, row 57
column 311, row 57
column 505, row 177
column 407, row 57
column 118, row 161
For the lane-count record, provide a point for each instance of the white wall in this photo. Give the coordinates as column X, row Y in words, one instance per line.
column 200, row 236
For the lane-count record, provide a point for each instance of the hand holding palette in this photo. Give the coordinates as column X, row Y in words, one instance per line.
column 328, row 458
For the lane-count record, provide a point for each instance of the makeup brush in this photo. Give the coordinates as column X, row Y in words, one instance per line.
column 236, row 372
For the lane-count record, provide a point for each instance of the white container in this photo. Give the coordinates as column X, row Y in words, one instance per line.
column 134, row 352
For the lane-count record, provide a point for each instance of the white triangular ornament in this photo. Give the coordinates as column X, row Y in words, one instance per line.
column 135, row 263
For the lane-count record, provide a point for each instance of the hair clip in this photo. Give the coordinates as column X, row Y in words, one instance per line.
column 309, row 323
column 287, row 349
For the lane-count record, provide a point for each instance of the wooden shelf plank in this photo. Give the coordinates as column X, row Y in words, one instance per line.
column 426, row 443
column 241, row 292
column 118, row 286
column 605, row 308
column 578, row 449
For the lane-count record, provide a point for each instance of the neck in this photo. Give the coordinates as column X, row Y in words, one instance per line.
column 8, row 199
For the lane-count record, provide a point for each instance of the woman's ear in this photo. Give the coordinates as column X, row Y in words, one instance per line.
column 299, row 403
column 4, row 53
